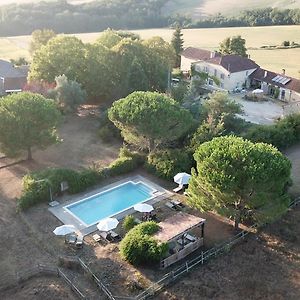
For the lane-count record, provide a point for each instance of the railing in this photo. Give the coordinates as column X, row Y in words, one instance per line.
column 201, row 259
column 71, row 284
column 97, row 280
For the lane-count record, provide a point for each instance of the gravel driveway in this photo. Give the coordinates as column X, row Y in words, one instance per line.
column 266, row 112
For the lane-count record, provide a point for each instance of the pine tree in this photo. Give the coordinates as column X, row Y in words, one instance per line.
column 177, row 43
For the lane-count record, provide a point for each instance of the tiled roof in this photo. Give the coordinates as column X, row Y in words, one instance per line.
column 267, row 76
column 7, row 70
column 198, row 54
column 234, row 63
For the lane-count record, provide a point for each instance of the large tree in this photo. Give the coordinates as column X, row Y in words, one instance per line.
column 234, row 45
column 177, row 43
column 238, row 178
column 62, row 55
column 149, row 120
column 27, row 120
column 39, row 38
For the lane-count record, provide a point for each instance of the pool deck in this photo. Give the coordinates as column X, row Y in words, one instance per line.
column 65, row 217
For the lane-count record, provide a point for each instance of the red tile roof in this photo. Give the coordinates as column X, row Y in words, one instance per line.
column 234, row 63
column 198, row 54
column 267, row 76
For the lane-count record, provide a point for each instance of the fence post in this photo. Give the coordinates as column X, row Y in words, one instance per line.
column 187, row 267
column 202, row 261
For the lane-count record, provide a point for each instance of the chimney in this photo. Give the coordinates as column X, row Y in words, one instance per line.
column 266, row 74
column 283, row 71
column 212, row 54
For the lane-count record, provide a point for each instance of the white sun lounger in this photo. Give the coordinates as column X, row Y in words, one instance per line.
column 178, row 189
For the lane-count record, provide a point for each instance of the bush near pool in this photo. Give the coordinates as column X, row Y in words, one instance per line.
column 139, row 247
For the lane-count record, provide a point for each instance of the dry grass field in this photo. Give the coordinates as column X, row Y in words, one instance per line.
column 197, row 8
column 274, row 60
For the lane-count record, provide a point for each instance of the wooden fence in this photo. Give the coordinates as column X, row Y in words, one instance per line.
column 199, row 260
column 155, row 287
column 97, row 280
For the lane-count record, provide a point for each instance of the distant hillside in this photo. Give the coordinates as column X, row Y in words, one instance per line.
column 198, row 8
column 75, row 16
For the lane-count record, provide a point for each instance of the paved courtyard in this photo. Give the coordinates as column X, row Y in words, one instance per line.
column 266, row 112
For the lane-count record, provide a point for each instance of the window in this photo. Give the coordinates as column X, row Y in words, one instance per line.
column 282, row 94
column 215, row 72
column 210, row 81
column 222, row 85
column 206, row 69
column 247, row 73
column 222, row 76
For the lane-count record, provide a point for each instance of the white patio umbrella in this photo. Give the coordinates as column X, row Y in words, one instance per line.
column 107, row 224
column 143, row 207
column 182, row 178
column 257, row 91
column 64, row 230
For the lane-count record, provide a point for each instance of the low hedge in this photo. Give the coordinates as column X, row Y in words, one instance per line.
column 139, row 247
column 125, row 163
column 36, row 184
column 167, row 163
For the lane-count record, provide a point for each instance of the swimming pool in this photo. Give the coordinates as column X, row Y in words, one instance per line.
column 91, row 210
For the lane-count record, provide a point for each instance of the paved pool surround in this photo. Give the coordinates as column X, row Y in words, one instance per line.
column 62, row 212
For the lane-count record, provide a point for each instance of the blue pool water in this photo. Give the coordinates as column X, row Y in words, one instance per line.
column 108, row 203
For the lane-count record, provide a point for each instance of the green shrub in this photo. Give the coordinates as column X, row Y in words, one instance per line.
column 167, row 163
column 108, row 130
column 121, row 166
column 283, row 134
column 129, row 222
column 127, row 162
column 138, row 247
column 36, row 185
column 147, row 228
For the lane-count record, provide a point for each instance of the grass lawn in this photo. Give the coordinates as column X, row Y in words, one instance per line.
column 209, row 38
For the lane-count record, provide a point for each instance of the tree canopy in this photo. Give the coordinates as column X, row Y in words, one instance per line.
column 177, row 43
column 240, row 179
column 27, row 120
column 116, row 65
column 234, row 45
column 149, row 119
column 39, row 38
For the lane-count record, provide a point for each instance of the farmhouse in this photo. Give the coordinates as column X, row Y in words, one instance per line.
column 287, row 88
column 234, row 72
column 12, row 79
column 226, row 72
column 192, row 55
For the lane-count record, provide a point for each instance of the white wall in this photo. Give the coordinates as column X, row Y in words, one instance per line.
column 186, row 63
column 230, row 81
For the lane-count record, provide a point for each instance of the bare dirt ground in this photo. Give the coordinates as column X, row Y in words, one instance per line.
column 20, row 250
column 261, row 268
column 46, row 288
